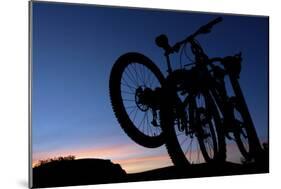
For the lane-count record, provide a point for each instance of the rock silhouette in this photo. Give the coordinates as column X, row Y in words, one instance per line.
column 98, row 171
column 77, row 172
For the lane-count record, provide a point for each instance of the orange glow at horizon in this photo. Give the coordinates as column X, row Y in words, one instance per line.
column 140, row 164
column 131, row 157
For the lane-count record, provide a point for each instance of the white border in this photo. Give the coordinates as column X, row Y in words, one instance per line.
column 14, row 90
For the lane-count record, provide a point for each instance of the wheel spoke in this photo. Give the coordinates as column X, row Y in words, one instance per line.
column 129, row 107
column 130, row 100
column 130, row 79
column 133, row 76
column 144, row 76
column 134, row 109
column 136, row 73
column 126, row 92
column 141, row 123
column 135, row 115
column 129, row 86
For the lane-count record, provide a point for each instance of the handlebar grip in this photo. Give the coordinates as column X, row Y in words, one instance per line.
column 214, row 22
column 207, row 27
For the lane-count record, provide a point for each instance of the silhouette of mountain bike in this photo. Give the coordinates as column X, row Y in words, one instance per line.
column 189, row 110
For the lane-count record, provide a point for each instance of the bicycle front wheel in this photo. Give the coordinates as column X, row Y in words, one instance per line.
column 198, row 141
column 134, row 86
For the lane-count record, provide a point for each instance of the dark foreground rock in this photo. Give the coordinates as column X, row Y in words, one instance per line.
column 77, row 172
column 97, row 171
column 199, row 170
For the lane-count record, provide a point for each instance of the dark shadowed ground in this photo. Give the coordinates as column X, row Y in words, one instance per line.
column 98, row 171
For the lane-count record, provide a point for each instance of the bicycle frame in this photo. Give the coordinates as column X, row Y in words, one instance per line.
column 217, row 87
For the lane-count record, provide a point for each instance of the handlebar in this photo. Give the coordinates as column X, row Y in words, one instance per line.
column 162, row 40
column 202, row 30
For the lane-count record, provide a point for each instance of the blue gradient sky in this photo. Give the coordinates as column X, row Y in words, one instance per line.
column 74, row 48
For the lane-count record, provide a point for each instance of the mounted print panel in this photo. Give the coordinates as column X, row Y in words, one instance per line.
column 128, row 94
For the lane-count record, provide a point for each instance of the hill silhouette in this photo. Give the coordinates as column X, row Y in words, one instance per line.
column 199, row 170
column 99, row 171
column 77, row 172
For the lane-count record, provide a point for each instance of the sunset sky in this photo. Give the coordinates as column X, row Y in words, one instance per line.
column 73, row 50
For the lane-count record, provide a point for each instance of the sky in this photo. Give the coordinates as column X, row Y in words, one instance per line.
column 73, row 50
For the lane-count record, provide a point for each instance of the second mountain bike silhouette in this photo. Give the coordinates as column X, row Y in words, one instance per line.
column 190, row 110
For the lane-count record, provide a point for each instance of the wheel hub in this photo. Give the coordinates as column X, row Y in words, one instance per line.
column 146, row 98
